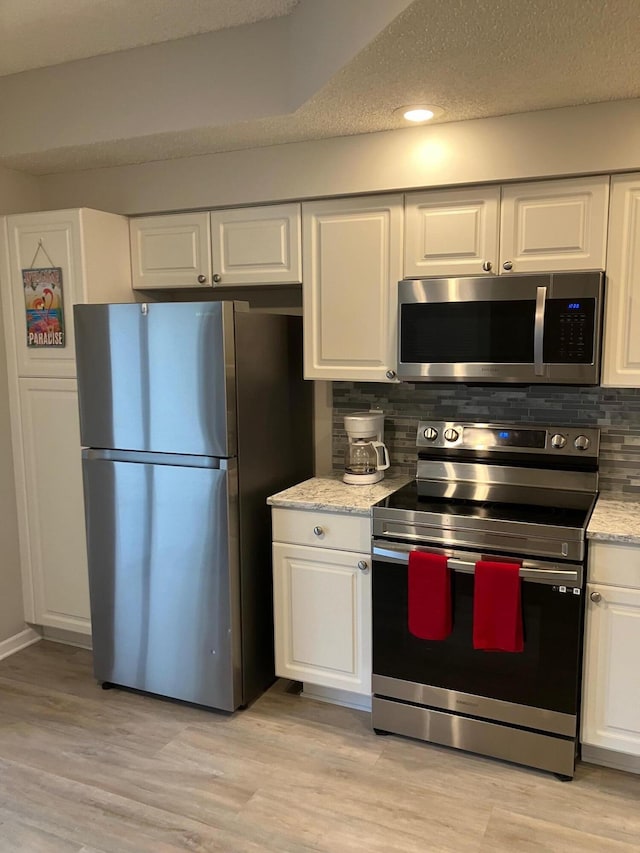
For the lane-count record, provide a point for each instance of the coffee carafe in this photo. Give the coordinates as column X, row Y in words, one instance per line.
column 366, row 456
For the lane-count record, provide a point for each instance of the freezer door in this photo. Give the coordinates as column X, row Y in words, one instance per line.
column 163, row 576
column 157, row 377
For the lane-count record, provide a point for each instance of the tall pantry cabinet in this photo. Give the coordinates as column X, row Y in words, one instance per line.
column 91, row 250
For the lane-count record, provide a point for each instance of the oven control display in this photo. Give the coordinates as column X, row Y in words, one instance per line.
column 486, row 437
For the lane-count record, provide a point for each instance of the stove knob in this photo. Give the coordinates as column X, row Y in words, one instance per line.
column 581, row 443
column 558, row 441
column 451, row 434
column 430, row 434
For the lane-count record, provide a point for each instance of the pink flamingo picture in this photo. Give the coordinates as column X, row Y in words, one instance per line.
column 43, row 305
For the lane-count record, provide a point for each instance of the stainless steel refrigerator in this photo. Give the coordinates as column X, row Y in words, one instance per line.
column 191, row 414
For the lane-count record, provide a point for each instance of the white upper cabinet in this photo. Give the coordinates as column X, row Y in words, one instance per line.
column 222, row 248
column 452, row 232
column 539, row 226
column 256, row 245
column 554, row 225
column 621, row 359
column 352, row 262
column 170, row 251
column 91, row 250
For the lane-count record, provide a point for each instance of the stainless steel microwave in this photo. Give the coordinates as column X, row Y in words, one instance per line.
column 527, row 328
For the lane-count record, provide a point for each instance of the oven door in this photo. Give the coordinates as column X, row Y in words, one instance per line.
column 536, row 688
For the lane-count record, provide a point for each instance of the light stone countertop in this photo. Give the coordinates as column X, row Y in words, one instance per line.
column 615, row 519
column 331, row 494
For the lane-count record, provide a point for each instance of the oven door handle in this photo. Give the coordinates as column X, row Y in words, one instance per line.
column 553, row 574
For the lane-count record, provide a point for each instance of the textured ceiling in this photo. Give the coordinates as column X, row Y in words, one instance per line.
column 38, row 33
column 474, row 58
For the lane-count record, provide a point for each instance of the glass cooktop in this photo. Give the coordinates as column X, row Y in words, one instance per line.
column 408, row 499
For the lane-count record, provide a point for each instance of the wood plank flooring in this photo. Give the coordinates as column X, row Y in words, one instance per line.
column 84, row 770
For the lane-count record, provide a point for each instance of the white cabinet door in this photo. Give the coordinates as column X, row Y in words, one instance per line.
column 322, row 616
column 50, row 499
column 352, row 262
column 170, row 251
column 91, row 251
column 554, row 225
column 621, row 357
column 452, row 232
column 611, row 688
column 256, row 245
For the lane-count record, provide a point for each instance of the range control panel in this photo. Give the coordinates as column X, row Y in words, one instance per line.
column 514, row 438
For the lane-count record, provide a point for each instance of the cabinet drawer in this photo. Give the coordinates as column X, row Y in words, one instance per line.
column 340, row 531
column 614, row 564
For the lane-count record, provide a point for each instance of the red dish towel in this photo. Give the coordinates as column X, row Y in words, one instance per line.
column 429, row 596
column 497, row 607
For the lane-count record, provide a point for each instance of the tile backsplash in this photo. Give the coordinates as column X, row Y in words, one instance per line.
column 615, row 410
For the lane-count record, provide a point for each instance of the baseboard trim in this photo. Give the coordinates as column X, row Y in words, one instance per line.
column 334, row 696
column 610, row 758
column 66, row 637
column 18, row 642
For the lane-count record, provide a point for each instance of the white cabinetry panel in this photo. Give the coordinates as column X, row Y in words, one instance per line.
column 92, row 250
column 621, row 358
column 611, row 715
column 554, row 225
column 256, row 245
column 352, row 263
column 52, row 525
column 342, row 531
column 170, row 251
column 322, row 609
column 452, row 232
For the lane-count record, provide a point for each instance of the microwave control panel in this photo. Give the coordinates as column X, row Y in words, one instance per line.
column 569, row 331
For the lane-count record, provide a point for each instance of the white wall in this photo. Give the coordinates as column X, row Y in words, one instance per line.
column 17, row 193
column 207, row 80
column 212, row 80
column 575, row 140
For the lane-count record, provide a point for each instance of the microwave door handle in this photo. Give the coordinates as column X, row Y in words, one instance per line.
column 538, row 332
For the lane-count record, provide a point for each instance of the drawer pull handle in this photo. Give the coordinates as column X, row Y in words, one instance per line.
column 363, row 565
column 318, row 530
column 595, row 597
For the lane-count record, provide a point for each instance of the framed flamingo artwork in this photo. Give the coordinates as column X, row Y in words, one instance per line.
column 43, row 303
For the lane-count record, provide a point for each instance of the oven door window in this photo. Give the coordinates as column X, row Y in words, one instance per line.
column 544, row 675
column 495, row 332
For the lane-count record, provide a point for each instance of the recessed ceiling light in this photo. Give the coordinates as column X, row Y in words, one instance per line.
column 420, row 112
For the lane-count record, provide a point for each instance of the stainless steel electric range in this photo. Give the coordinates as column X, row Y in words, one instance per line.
column 518, row 493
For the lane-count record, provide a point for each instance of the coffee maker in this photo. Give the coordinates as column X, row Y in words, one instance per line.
column 366, row 455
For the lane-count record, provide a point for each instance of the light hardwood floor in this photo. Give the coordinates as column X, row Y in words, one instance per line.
column 84, row 770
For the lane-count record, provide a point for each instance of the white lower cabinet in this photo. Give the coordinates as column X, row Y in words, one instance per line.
column 49, row 479
column 611, row 686
column 322, row 612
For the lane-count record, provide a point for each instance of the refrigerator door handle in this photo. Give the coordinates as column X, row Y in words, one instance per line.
column 143, row 457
